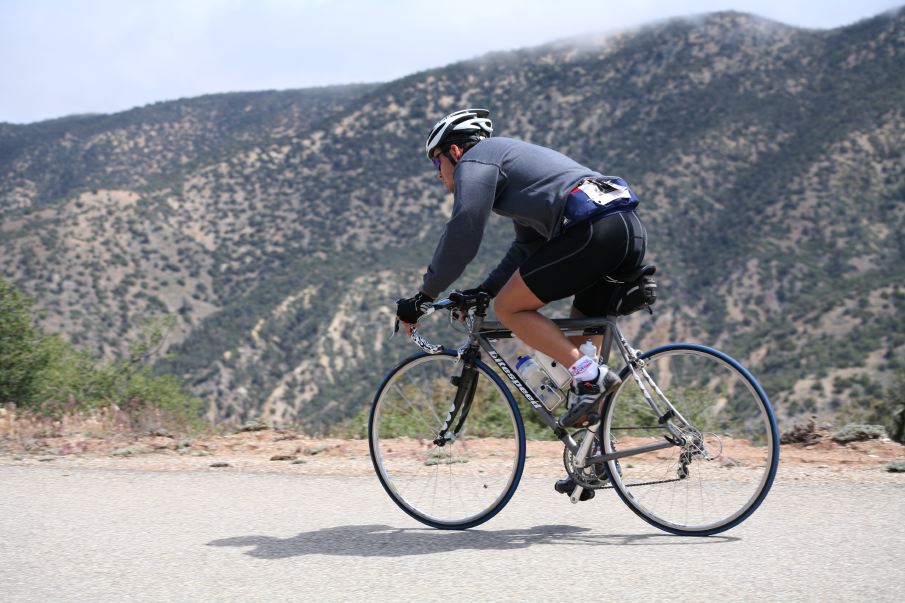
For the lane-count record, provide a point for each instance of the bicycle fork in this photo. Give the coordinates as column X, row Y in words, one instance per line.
column 466, row 384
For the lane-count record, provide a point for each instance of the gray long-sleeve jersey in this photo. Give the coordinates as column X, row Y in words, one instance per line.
column 522, row 181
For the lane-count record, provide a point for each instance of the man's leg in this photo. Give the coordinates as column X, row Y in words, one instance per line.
column 517, row 308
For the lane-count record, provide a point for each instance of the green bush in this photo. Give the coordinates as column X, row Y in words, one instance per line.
column 23, row 350
column 887, row 410
column 859, row 433
column 46, row 374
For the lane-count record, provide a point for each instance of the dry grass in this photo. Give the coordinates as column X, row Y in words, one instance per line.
column 99, row 423
column 111, row 439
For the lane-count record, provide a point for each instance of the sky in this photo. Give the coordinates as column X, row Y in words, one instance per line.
column 63, row 57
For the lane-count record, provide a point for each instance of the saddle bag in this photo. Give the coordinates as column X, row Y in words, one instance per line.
column 636, row 292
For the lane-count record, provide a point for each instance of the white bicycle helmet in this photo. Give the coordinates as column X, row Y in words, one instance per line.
column 460, row 126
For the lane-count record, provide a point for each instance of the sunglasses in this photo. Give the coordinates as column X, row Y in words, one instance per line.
column 436, row 161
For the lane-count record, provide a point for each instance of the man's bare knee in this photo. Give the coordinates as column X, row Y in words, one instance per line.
column 503, row 311
column 504, row 304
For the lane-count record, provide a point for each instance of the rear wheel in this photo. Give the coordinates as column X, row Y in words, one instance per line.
column 727, row 461
column 466, row 481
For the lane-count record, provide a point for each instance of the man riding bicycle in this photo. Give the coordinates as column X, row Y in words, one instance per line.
column 574, row 227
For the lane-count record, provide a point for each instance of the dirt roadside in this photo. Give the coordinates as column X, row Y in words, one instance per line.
column 285, row 451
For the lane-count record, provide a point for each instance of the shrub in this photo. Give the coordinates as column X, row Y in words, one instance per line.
column 801, row 434
column 254, row 425
column 47, row 375
column 859, row 433
column 22, row 347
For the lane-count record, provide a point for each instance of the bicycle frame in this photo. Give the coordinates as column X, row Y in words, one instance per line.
column 491, row 330
column 632, row 419
column 481, row 335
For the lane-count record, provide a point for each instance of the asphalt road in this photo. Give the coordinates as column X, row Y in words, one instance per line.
column 101, row 535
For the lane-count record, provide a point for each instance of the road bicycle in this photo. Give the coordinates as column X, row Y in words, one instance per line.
column 688, row 440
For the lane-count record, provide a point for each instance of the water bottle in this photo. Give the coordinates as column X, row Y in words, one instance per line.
column 535, row 377
column 558, row 373
column 588, row 349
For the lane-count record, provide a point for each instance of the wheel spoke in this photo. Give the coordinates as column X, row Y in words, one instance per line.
column 464, row 482
column 426, row 396
column 723, row 407
column 414, row 414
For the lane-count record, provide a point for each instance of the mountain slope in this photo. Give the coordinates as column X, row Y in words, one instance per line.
column 769, row 161
column 149, row 146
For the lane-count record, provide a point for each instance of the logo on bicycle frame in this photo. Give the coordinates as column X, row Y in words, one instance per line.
column 515, row 380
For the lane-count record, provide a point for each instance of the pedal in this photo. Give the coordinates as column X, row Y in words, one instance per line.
column 580, row 494
column 568, row 486
column 564, row 486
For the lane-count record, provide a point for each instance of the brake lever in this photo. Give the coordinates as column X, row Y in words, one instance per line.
column 416, row 337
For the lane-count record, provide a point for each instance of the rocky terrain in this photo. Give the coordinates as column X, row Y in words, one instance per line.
column 289, row 451
column 99, row 442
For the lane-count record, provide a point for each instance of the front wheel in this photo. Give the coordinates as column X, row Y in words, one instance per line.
column 466, row 481
column 728, row 445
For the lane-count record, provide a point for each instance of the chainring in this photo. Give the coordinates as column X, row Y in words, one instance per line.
column 592, row 477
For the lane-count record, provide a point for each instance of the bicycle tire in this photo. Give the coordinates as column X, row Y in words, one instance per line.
column 731, row 455
column 477, row 473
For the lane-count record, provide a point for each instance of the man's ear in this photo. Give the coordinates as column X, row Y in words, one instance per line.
column 456, row 152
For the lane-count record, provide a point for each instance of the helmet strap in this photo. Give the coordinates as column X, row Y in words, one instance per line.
column 449, row 156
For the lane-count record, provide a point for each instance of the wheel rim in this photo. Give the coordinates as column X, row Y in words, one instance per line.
column 730, row 452
column 463, row 481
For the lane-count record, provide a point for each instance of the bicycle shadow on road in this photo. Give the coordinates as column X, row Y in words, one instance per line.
column 377, row 540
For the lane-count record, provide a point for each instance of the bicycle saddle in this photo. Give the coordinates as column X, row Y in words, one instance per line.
column 634, row 275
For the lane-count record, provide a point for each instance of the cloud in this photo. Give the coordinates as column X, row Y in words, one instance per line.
column 103, row 56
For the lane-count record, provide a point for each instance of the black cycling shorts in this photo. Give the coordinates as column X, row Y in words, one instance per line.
column 576, row 261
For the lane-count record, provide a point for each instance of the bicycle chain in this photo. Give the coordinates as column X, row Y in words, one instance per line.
column 582, row 480
column 662, row 481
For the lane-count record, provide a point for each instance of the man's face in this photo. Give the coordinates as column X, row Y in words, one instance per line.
column 446, row 171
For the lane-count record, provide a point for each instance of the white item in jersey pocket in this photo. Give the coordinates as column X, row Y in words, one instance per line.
column 606, row 193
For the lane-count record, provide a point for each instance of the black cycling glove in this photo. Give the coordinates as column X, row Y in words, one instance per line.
column 411, row 309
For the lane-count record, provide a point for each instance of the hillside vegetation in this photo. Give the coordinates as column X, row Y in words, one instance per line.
column 280, row 226
column 45, row 377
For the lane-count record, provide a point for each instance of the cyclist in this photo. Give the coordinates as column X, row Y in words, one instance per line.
column 573, row 228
